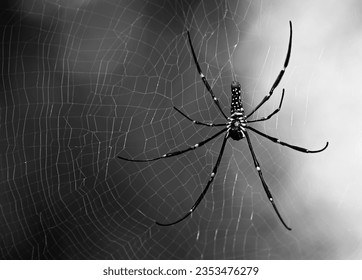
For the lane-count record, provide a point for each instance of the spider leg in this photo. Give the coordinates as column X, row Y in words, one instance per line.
column 171, row 154
column 206, row 83
column 272, row 114
column 265, row 186
column 280, row 76
column 297, row 148
column 198, row 122
column 202, row 195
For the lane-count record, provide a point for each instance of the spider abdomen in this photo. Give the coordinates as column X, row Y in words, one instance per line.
column 236, row 104
column 237, row 120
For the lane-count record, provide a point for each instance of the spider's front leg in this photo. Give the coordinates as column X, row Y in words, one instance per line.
column 265, row 186
column 202, row 195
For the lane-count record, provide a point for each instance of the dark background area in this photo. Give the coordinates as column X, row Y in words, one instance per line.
column 84, row 81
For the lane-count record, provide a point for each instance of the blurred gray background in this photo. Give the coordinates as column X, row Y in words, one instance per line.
column 85, row 81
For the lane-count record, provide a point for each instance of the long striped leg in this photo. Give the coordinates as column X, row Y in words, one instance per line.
column 280, row 76
column 202, row 195
column 171, row 154
column 198, row 122
column 208, row 87
column 276, row 140
column 272, row 114
column 265, row 186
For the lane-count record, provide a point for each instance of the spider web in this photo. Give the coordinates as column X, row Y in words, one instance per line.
column 85, row 81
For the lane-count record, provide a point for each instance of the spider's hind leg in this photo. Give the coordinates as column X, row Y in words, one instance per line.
column 203, row 78
column 280, row 75
column 272, row 114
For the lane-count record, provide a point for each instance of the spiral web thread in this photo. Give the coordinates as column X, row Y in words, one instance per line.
column 82, row 83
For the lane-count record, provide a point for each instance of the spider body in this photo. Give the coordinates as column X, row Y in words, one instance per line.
column 237, row 127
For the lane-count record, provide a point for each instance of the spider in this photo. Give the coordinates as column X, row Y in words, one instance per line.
column 236, row 128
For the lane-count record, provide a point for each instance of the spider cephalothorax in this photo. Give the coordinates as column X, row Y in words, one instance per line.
column 236, row 128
